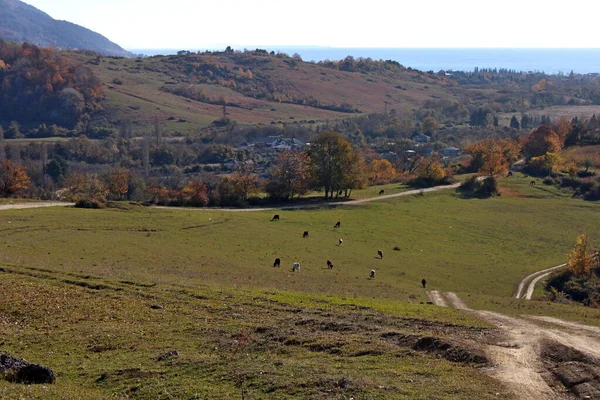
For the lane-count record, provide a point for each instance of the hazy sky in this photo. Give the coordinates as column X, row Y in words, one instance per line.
column 200, row 24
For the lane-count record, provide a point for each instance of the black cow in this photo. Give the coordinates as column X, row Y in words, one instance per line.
column 305, row 234
column 423, row 282
column 329, row 264
column 277, row 263
column 382, row 191
column 338, row 224
column 380, row 253
column 275, row 217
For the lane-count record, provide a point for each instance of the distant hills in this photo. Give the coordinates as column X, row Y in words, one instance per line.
column 20, row 22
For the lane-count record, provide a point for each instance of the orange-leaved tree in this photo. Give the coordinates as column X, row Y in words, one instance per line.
column 12, row 178
column 381, row 172
column 118, row 182
column 541, row 141
column 195, row 193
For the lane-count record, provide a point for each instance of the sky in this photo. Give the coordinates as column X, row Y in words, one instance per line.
column 214, row 24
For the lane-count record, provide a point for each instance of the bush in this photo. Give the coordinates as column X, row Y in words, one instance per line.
column 473, row 187
column 89, row 204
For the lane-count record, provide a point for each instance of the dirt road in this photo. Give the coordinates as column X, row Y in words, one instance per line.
column 19, row 206
column 521, row 361
column 531, row 280
column 327, row 204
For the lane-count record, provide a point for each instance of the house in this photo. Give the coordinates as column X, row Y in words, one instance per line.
column 420, row 138
column 450, row 151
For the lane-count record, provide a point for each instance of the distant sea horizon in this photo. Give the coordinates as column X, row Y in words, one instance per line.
column 550, row 61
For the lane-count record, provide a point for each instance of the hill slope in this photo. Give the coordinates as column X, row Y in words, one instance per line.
column 20, row 22
column 189, row 90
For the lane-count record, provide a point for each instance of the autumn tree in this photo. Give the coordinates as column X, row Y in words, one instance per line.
column 290, row 176
column 492, row 157
column 195, row 193
column 429, row 171
column 85, row 187
column 331, row 156
column 355, row 175
column 117, row 181
column 381, row 172
column 541, row 141
column 581, row 258
column 12, row 178
column 246, row 182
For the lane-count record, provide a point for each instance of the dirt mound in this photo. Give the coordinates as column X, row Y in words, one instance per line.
column 450, row 351
column 577, row 371
column 20, row 371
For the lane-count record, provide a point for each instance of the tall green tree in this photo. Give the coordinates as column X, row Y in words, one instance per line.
column 332, row 159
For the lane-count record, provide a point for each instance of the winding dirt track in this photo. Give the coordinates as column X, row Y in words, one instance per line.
column 19, row 206
column 330, row 204
column 517, row 361
column 531, row 281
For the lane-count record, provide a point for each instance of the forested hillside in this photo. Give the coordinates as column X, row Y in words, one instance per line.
column 20, row 22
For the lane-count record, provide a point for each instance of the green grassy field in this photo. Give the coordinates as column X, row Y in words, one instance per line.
column 78, row 285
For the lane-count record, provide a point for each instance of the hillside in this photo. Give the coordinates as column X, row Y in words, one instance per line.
column 20, row 22
column 189, row 90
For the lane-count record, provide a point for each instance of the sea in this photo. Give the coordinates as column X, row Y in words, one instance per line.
column 550, row 61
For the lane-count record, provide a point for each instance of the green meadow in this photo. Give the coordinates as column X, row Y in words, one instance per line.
column 79, row 285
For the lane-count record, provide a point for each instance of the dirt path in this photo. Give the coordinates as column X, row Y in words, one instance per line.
column 517, row 360
column 531, row 280
column 328, row 204
column 20, row 206
column 436, row 298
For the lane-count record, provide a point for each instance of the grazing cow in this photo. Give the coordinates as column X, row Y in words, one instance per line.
column 509, row 173
column 423, row 282
column 277, row 263
column 338, row 224
column 296, row 267
column 340, row 242
column 275, row 217
column 372, row 274
column 532, row 183
column 305, row 234
column 382, row 191
column 329, row 264
column 380, row 254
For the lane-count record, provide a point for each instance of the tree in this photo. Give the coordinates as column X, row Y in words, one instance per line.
column 196, row 193
column 291, row 175
column 13, row 131
column 580, row 259
column 355, row 174
column 381, row 172
column 85, row 187
column 12, row 178
column 430, row 171
column 514, row 122
column 57, row 169
column 541, row 141
column 330, row 156
column 117, row 181
column 246, row 181
column 430, row 126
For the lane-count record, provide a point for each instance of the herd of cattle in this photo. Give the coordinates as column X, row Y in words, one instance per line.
column 296, row 265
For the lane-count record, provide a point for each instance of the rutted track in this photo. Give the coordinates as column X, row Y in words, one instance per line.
column 531, row 280
column 518, row 361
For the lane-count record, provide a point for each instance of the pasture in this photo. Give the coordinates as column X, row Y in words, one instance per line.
column 79, row 288
column 460, row 245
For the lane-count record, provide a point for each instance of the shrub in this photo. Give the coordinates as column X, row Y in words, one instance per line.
column 89, row 204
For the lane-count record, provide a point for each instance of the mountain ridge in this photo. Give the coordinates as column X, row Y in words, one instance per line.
column 21, row 22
